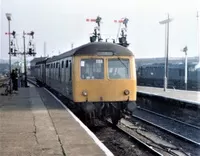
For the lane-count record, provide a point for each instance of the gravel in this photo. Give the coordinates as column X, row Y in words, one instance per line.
column 118, row 143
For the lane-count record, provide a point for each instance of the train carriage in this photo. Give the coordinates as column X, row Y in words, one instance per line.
column 98, row 77
column 40, row 71
column 152, row 75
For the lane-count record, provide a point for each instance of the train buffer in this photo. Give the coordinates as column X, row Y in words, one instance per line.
column 191, row 97
column 34, row 122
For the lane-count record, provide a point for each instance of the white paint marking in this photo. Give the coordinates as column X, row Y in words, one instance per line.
column 91, row 134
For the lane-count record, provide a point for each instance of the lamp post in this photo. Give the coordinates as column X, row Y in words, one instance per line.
column 8, row 16
column 185, row 51
column 166, row 22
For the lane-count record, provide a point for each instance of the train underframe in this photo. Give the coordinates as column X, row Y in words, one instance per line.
column 105, row 110
column 90, row 111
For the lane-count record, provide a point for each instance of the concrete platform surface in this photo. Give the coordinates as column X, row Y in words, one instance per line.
column 33, row 123
column 192, row 97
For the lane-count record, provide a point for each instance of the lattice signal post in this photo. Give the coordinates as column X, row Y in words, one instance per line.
column 30, row 52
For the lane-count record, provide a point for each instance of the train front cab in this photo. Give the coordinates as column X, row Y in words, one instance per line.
column 105, row 82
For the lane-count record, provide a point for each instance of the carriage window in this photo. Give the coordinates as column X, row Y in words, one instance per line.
column 57, row 65
column 119, row 68
column 66, row 65
column 70, row 70
column 62, row 64
column 92, row 68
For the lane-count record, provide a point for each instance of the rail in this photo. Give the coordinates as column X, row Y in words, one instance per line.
column 139, row 141
column 177, row 128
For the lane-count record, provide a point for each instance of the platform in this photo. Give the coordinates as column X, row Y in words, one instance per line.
column 34, row 123
column 192, row 97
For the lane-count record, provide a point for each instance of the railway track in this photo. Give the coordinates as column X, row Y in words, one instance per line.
column 149, row 140
column 145, row 145
column 146, row 148
column 170, row 118
column 185, row 131
column 136, row 139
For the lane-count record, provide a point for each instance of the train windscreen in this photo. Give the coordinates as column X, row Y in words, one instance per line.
column 92, row 69
column 119, row 68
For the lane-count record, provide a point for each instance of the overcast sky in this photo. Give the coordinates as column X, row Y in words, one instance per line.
column 62, row 22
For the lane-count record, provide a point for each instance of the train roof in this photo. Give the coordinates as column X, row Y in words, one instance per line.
column 162, row 60
column 37, row 59
column 95, row 48
column 41, row 61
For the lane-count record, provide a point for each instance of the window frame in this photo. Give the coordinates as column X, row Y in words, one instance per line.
column 129, row 70
column 83, row 59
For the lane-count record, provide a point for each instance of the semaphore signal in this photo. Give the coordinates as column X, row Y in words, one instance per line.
column 97, row 30
column 122, row 39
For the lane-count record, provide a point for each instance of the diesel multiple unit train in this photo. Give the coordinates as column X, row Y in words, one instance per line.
column 98, row 77
column 152, row 74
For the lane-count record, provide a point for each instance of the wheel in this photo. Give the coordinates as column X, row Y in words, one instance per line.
column 115, row 115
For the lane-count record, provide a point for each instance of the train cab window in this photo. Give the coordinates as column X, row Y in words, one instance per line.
column 118, row 68
column 92, row 68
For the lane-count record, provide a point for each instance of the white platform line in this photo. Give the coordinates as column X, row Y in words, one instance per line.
column 91, row 134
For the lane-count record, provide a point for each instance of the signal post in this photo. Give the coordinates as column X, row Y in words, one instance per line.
column 30, row 52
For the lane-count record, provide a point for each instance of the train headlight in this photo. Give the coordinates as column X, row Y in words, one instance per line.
column 84, row 93
column 126, row 92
